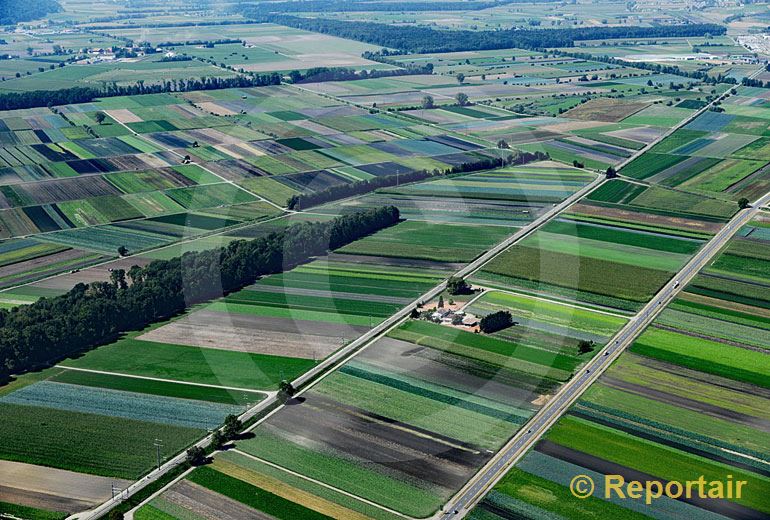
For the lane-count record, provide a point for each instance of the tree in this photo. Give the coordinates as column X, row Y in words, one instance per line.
column 460, row 78
column 457, row 285
column 502, row 144
column 496, row 321
column 743, row 203
column 115, row 515
column 99, row 117
column 577, row 164
column 118, row 278
column 218, row 440
column 440, row 304
column 585, row 346
column 286, row 390
column 90, row 315
column 123, row 251
column 196, row 456
column 233, row 427
column 427, row 102
column 611, row 173
column 462, row 99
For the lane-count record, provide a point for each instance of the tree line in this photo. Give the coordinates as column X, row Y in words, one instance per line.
column 67, row 96
column 319, row 74
column 14, row 11
column 93, row 314
column 341, row 191
column 345, row 6
column 751, row 82
column 700, row 75
column 417, row 39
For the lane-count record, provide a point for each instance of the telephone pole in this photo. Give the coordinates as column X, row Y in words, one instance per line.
column 158, row 445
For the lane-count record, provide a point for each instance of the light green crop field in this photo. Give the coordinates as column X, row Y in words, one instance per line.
column 192, row 364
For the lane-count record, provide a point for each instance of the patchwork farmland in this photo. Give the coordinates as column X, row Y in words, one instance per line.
column 363, row 380
column 690, row 392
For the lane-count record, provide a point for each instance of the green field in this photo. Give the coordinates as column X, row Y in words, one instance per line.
column 420, row 240
column 192, row 364
column 85, row 442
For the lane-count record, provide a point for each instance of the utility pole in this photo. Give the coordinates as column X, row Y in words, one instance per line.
column 158, row 444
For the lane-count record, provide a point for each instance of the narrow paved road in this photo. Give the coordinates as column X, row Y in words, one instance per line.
column 462, row 503
column 351, row 349
column 317, row 372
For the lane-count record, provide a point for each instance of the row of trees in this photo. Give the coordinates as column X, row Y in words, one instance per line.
column 344, row 6
column 751, row 82
column 341, row 191
column 93, row 314
column 319, row 74
column 700, row 75
column 42, row 98
column 427, row 40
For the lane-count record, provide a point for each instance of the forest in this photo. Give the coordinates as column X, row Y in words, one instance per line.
column 90, row 315
column 14, row 11
column 428, row 40
column 338, row 6
column 43, row 98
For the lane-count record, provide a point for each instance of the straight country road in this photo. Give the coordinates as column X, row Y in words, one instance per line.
column 349, row 350
column 531, row 432
column 353, row 348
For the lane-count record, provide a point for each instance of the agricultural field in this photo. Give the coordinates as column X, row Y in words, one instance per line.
column 395, row 428
column 523, row 15
column 720, row 153
column 78, row 190
column 174, row 381
column 103, row 424
column 426, row 392
column 304, row 314
column 268, row 47
column 690, row 393
column 511, row 196
column 606, row 250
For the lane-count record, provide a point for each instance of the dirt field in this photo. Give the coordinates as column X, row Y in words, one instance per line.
column 255, row 334
column 604, row 109
column 393, row 447
column 98, row 273
column 693, row 225
column 209, row 504
column 40, row 262
column 642, row 134
column 53, row 489
column 123, row 115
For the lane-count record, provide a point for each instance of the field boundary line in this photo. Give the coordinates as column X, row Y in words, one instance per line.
column 538, row 424
column 129, row 515
column 162, row 146
column 145, row 252
column 326, row 367
column 266, row 393
column 320, row 483
column 570, row 304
